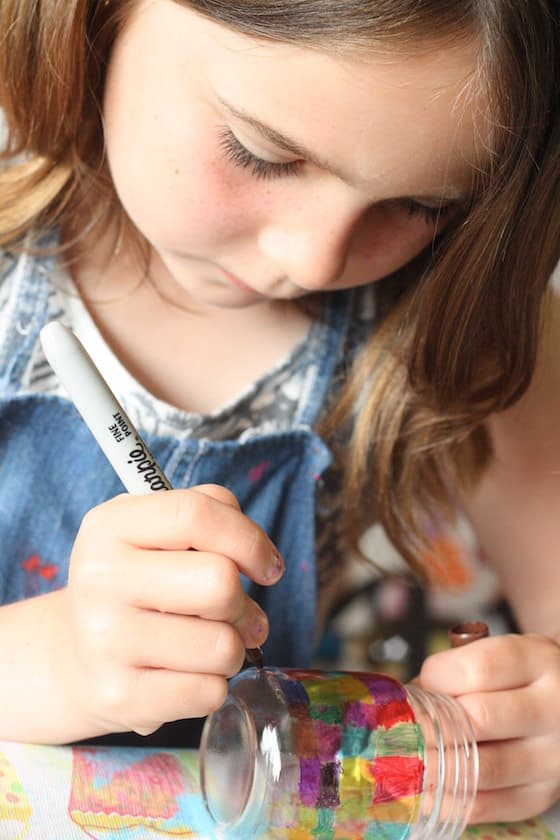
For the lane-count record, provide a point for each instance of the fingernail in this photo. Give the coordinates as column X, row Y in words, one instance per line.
column 257, row 624
column 276, row 569
column 259, row 630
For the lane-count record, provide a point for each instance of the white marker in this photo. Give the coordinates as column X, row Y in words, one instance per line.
column 105, row 417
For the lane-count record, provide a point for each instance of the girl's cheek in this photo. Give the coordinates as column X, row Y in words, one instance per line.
column 392, row 237
column 203, row 205
column 207, row 178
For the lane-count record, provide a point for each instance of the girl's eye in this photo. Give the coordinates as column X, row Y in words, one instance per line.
column 259, row 168
column 431, row 215
column 264, row 170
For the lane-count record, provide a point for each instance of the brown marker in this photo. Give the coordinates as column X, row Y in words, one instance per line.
column 467, row 632
column 255, row 657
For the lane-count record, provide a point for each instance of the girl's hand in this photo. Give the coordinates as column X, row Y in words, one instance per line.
column 510, row 687
column 155, row 614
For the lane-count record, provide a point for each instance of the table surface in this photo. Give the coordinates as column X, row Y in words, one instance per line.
column 73, row 793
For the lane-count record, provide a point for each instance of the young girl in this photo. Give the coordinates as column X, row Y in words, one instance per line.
column 308, row 245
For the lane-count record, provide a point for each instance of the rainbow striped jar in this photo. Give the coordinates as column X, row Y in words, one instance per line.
column 331, row 755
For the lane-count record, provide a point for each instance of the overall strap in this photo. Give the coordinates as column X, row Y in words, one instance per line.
column 326, row 340
column 23, row 315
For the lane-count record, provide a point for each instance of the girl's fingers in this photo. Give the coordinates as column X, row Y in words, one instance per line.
column 186, row 519
column 189, row 645
column 508, row 764
column 182, row 582
column 179, row 520
column 177, row 643
column 520, row 713
column 142, row 699
column 220, row 493
column 518, row 803
column 497, row 663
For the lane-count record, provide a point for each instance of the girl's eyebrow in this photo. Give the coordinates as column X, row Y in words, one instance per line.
column 283, row 142
column 449, row 195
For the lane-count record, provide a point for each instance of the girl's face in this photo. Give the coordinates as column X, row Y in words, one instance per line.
column 261, row 170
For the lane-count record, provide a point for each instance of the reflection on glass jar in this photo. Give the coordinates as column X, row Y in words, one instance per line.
column 299, row 754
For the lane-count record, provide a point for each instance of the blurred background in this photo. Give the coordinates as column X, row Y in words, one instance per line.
column 384, row 621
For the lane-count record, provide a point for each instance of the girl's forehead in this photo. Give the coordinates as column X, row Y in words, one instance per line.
column 423, row 113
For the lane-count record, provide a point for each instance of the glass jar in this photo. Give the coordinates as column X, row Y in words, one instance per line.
column 329, row 754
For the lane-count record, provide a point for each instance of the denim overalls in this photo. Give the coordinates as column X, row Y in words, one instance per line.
column 52, row 472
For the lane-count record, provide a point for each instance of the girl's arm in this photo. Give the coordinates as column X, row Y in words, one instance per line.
column 515, row 509
column 510, row 684
column 37, row 697
column 151, row 623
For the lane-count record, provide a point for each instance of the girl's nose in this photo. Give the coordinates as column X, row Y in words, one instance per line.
column 311, row 251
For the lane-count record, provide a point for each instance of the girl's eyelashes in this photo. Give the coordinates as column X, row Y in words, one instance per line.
column 259, row 168
column 431, row 215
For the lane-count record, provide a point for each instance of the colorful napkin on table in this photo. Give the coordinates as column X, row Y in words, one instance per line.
column 65, row 793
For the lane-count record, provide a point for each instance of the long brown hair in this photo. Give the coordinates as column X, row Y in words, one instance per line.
column 461, row 334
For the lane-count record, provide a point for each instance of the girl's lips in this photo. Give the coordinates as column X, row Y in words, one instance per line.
column 239, row 284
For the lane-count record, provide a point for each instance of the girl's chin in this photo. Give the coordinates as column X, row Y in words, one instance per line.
column 208, row 292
